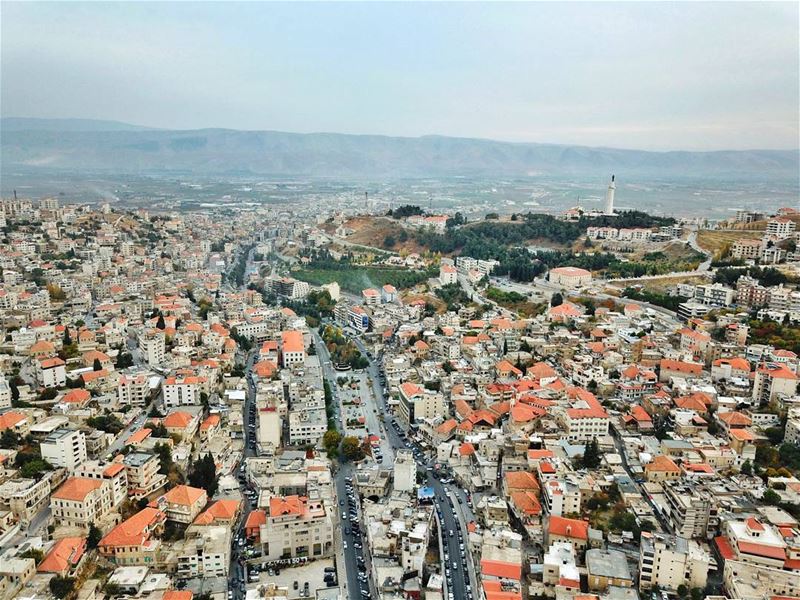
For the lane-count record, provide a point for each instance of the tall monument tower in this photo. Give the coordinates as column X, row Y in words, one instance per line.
column 610, row 197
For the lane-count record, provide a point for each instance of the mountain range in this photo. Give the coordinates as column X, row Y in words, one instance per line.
column 85, row 145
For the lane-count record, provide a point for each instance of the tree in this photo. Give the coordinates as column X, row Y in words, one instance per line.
column 556, row 299
column 94, row 537
column 97, row 365
column 204, row 475
column 771, row 497
column 124, row 360
column 591, row 454
column 747, row 467
column 351, row 448
column 160, row 323
column 67, row 339
column 61, row 587
column 331, row 441
column 9, row 439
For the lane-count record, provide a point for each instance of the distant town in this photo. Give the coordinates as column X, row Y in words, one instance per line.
column 349, row 396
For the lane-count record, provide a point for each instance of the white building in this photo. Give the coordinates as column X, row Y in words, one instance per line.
column 152, row 345
column 670, row 562
column 182, row 391
column 51, row 372
column 133, row 389
column 405, row 471
column 448, row 274
column 5, row 393
column 65, row 448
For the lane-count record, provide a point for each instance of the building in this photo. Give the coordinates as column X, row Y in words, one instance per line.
column 287, row 287
column 371, row 296
column 572, row 531
column 781, row 228
column 182, row 503
column 65, row 448
column 51, row 372
column 417, row 403
column 81, row 501
column 204, row 551
column 296, row 526
column 692, row 510
column 25, row 497
column 134, row 541
column 5, row 393
column 612, row 188
column 448, row 274
column 586, row 420
column 152, row 345
column 773, row 380
column 65, row 558
column 114, row 473
column 143, row 478
column 405, row 471
column 605, row 568
column 293, row 350
column 133, row 389
column 746, row 249
column 184, row 391
column 670, row 562
column 562, row 497
column 570, row 277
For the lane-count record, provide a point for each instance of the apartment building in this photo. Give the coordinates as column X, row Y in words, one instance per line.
column 114, row 473
column 692, row 510
column 204, row 551
column 670, row 562
column 182, row 391
column 562, row 497
column 133, row 390
column 417, row 403
column 746, row 249
column 405, row 471
column 781, row 228
column 81, row 501
column 5, row 393
column 25, row 497
column 293, row 351
column 51, row 372
column 296, row 526
column 773, row 380
column 65, row 448
column 152, row 345
column 141, row 469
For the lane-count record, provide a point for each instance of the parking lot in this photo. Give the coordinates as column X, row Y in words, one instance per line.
column 302, row 581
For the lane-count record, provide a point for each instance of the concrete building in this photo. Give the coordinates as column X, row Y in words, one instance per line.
column 773, row 380
column 669, row 562
column 296, row 526
column 405, row 471
column 152, row 345
column 606, row 568
column 65, row 448
column 293, row 351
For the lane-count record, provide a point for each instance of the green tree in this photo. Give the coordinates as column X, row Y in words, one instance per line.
column 94, row 537
column 204, row 475
column 9, row 439
column 67, row 339
column 160, row 323
column 351, row 448
column 771, row 497
column 747, row 467
column 61, row 587
column 331, row 441
column 97, row 365
column 556, row 299
column 591, row 454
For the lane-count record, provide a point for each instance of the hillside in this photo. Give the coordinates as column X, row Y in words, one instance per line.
column 84, row 145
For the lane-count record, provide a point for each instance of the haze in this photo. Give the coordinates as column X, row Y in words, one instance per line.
column 630, row 75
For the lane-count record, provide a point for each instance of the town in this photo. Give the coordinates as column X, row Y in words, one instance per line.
column 356, row 398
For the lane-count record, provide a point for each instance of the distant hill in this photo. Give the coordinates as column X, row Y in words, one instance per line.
column 31, row 124
column 85, row 145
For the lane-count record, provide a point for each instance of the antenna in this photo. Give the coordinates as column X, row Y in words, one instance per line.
column 15, row 195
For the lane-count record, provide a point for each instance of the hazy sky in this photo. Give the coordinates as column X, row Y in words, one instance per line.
column 633, row 75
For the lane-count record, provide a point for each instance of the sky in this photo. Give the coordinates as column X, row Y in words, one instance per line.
column 655, row 76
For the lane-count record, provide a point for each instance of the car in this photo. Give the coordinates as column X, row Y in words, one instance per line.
column 344, row 544
column 295, row 584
